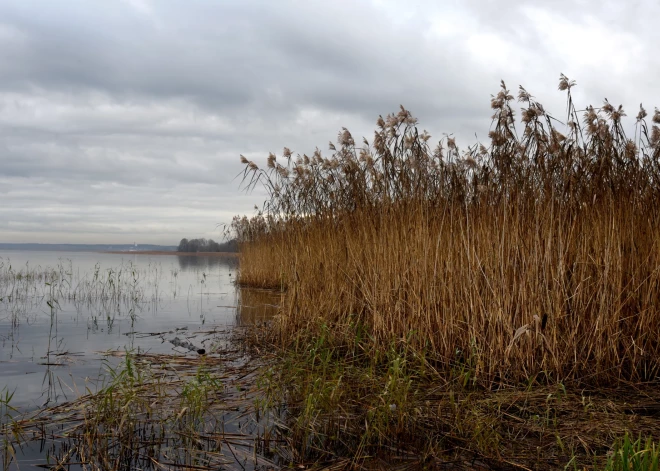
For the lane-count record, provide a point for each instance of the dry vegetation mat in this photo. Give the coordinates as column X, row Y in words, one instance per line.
column 252, row 405
column 156, row 412
column 339, row 410
column 525, row 268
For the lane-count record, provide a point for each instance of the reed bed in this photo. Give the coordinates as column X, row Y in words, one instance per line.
column 492, row 307
column 535, row 258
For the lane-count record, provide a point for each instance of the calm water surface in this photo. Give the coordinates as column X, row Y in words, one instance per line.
column 60, row 311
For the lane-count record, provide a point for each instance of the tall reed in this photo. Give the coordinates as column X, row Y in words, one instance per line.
column 535, row 257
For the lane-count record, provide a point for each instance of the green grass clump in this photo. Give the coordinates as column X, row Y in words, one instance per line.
column 638, row 455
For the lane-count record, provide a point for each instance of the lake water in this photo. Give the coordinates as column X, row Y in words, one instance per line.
column 60, row 311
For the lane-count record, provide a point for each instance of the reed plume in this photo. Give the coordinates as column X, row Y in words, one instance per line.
column 538, row 255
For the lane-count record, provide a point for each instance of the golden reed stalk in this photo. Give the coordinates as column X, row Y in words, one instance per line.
column 537, row 257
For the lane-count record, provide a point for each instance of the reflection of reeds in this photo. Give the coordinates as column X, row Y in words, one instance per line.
column 187, row 262
column 256, row 306
column 536, row 257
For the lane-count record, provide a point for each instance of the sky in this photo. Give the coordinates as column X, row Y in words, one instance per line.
column 123, row 121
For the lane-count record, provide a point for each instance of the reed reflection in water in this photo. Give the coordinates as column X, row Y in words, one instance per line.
column 256, row 306
column 191, row 262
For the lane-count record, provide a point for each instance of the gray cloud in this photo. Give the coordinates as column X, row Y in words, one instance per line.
column 123, row 121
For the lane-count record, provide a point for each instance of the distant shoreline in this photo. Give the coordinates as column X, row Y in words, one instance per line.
column 164, row 252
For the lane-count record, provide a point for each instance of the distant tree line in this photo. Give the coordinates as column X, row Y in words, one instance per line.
column 204, row 245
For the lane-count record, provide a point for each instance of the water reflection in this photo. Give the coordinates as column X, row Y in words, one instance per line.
column 56, row 322
column 187, row 262
column 256, row 306
column 58, row 311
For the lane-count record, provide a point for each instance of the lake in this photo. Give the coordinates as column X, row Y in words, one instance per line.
column 59, row 312
column 67, row 320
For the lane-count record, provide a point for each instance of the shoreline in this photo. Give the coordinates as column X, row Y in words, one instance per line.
column 162, row 252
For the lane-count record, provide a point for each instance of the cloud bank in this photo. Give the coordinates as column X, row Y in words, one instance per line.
column 123, row 121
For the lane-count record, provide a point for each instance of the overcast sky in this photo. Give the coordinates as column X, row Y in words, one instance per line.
column 123, row 121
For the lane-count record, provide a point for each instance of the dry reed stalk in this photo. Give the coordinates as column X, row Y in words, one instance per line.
column 538, row 257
